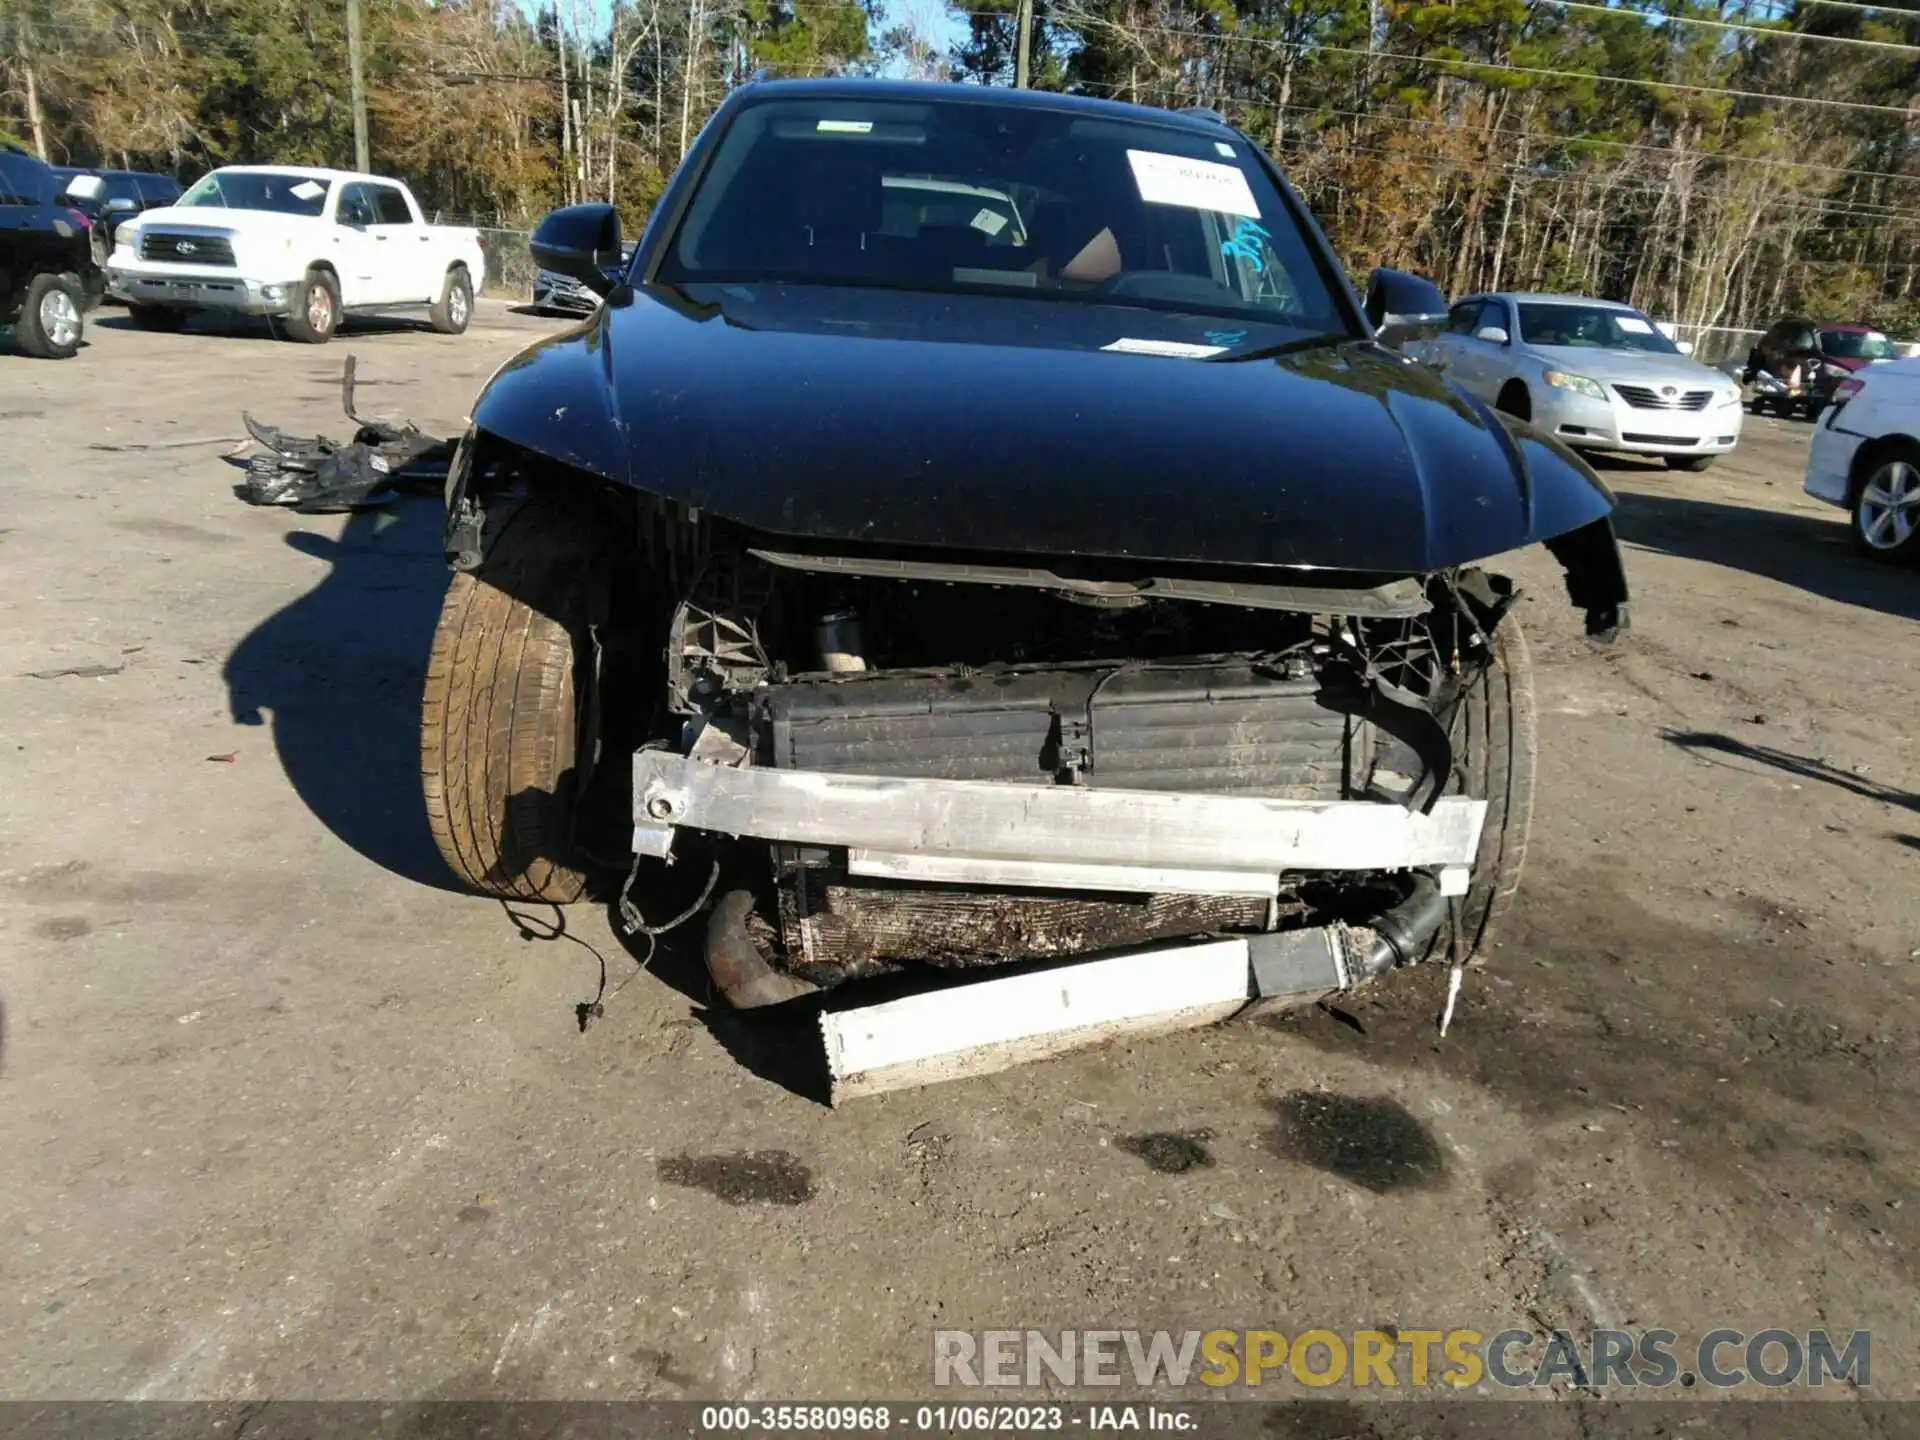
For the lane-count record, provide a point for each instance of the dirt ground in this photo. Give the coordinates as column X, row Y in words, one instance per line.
column 285, row 1116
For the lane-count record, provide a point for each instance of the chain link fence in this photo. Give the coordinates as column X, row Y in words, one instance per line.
column 510, row 267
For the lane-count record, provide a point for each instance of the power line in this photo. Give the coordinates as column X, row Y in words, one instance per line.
column 1716, row 157
column 1765, row 32
column 1303, row 47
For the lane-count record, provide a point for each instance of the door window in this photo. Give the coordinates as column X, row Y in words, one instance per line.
column 1464, row 318
column 23, row 179
column 355, row 207
column 389, row 205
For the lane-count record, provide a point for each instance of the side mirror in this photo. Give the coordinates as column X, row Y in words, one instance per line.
column 1402, row 307
column 86, row 187
column 121, row 205
column 582, row 242
column 1685, row 347
column 1492, row 334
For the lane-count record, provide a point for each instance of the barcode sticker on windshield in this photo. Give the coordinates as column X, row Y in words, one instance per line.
column 1192, row 184
column 846, row 127
column 308, row 190
column 1168, row 349
column 990, row 221
column 1633, row 324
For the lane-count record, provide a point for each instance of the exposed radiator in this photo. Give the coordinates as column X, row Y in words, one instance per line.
column 1217, row 728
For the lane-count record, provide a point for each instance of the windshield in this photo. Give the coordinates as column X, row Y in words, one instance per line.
column 956, row 196
column 289, row 194
column 1857, row 345
column 1592, row 327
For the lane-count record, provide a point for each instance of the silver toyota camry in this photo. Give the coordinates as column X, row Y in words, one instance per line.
column 1595, row 374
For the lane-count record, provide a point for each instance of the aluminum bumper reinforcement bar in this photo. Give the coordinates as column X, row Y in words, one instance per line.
column 1044, row 826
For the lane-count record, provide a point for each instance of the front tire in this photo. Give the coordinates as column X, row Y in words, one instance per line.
column 1694, row 463
column 316, row 311
column 50, row 326
column 454, row 309
column 500, row 722
column 1886, row 507
column 1496, row 753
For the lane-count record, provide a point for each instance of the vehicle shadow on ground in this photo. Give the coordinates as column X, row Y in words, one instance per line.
column 780, row 1044
column 258, row 327
column 1807, row 551
column 338, row 676
column 1705, row 744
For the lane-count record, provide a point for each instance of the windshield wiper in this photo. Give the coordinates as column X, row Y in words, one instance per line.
column 1285, row 347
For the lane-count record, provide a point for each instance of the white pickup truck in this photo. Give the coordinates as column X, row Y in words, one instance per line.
column 306, row 246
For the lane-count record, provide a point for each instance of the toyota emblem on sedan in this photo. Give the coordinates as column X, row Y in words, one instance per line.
column 1666, row 390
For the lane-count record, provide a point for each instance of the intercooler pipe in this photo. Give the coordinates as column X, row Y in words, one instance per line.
column 736, row 963
column 1345, row 957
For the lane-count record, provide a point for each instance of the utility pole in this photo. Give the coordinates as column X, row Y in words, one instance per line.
column 362, row 161
column 1023, row 44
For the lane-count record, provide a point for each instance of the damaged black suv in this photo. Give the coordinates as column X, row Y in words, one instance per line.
column 983, row 526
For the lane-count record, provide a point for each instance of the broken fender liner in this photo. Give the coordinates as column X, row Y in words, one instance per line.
column 317, row 476
column 992, row 1025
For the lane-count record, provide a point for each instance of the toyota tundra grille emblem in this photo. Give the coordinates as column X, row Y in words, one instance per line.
column 187, row 247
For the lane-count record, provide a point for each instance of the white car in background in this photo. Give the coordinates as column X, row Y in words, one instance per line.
column 1594, row 374
column 1865, row 458
column 307, row 246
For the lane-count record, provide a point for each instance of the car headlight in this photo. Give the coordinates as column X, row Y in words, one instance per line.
column 1728, row 397
column 1578, row 384
column 125, row 238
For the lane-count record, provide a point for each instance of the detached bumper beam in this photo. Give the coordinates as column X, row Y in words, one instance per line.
column 1056, row 831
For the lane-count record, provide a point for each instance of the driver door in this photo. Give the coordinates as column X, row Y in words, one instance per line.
column 354, row 249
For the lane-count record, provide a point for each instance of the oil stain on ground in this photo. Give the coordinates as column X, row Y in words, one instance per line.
column 1374, row 1142
column 1171, row 1152
column 752, row 1177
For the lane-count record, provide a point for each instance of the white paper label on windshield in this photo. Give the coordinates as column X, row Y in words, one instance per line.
column 1633, row 324
column 1225, row 149
column 308, row 190
column 990, row 221
column 846, row 127
column 1192, row 184
column 1168, row 349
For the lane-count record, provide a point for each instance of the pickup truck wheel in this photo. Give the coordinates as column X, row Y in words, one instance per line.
column 499, row 725
column 155, row 317
column 1495, row 754
column 316, row 311
column 454, row 308
column 50, row 326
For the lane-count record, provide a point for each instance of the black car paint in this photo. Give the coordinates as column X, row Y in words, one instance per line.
column 38, row 235
column 143, row 189
column 997, row 423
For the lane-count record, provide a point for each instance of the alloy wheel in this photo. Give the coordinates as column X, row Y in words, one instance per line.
column 59, row 318
column 1890, row 506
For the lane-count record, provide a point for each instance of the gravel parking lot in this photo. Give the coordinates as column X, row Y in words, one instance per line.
column 286, row 1116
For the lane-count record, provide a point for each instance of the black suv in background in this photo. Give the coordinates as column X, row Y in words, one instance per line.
column 49, row 277
column 128, row 193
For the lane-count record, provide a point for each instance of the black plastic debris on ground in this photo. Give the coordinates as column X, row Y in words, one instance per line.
column 317, row 476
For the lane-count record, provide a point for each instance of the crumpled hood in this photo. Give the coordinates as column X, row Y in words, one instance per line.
column 981, row 423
